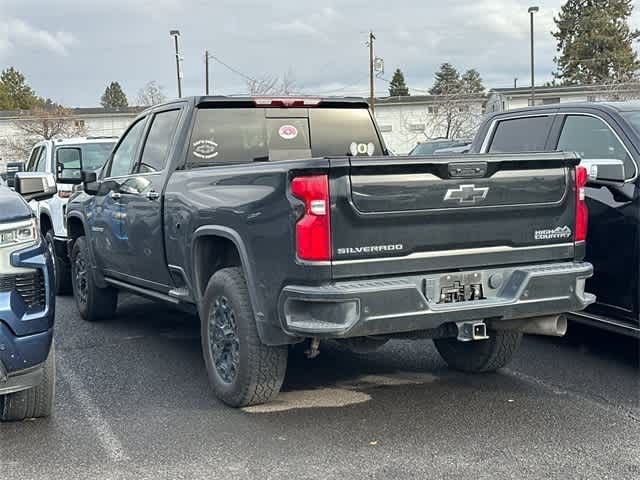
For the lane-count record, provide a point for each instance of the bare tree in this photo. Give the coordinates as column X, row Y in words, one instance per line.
column 273, row 85
column 263, row 86
column 151, row 94
column 443, row 116
column 456, row 115
column 616, row 91
column 43, row 124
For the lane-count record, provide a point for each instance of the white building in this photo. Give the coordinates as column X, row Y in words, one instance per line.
column 502, row 99
column 94, row 122
column 405, row 121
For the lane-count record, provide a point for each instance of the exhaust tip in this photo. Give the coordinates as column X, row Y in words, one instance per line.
column 562, row 325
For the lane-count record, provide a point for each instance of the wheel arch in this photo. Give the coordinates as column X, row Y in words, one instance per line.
column 204, row 265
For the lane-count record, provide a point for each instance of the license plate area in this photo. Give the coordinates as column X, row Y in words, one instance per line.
column 461, row 287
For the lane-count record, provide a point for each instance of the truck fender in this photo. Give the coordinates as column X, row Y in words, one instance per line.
column 266, row 330
column 97, row 275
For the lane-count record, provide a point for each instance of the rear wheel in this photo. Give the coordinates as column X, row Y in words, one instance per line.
column 61, row 270
column 34, row 402
column 480, row 355
column 94, row 303
column 242, row 370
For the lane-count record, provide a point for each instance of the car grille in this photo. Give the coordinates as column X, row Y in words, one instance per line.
column 30, row 286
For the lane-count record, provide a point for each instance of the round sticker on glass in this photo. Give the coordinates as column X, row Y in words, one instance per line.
column 288, row 132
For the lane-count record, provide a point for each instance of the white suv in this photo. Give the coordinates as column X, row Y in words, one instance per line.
column 95, row 151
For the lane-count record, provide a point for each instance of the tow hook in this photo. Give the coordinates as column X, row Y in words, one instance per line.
column 314, row 349
column 470, row 331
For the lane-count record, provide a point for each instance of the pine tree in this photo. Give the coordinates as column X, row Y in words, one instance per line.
column 595, row 42
column 398, row 87
column 447, row 81
column 14, row 91
column 114, row 97
column 472, row 82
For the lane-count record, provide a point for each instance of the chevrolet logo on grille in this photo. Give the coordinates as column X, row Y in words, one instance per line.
column 466, row 194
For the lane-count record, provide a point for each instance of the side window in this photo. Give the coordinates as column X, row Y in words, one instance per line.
column 124, row 155
column 528, row 134
column 156, row 148
column 593, row 139
column 41, row 164
column 33, row 159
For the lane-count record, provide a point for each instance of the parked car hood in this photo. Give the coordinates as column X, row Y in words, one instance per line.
column 12, row 206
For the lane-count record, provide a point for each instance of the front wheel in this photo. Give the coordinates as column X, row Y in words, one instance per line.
column 480, row 355
column 94, row 303
column 242, row 370
column 35, row 402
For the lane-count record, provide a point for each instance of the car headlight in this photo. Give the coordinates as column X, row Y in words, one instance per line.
column 18, row 233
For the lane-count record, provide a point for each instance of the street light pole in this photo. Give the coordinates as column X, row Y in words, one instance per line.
column 206, row 72
column 207, row 57
column 175, row 34
column 532, row 10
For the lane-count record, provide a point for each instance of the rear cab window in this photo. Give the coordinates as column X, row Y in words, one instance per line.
column 524, row 134
column 239, row 135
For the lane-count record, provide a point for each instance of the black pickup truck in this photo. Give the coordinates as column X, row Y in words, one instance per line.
column 604, row 133
column 283, row 220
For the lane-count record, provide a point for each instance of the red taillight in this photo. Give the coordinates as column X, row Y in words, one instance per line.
column 286, row 102
column 313, row 230
column 582, row 215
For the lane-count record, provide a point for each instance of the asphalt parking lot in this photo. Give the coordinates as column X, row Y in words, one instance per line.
column 133, row 402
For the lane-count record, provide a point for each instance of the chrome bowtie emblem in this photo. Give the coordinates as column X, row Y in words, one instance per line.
column 466, row 194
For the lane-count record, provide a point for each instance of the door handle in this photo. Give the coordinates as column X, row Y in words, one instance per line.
column 153, row 195
column 115, row 195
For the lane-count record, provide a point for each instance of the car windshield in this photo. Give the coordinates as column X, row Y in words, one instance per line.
column 634, row 119
column 93, row 154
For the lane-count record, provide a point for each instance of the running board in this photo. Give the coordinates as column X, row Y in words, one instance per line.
column 605, row 322
column 145, row 292
column 181, row 294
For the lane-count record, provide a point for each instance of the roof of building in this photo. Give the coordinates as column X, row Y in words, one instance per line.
column 426, row 99
column 564, row 89
column 79, row 112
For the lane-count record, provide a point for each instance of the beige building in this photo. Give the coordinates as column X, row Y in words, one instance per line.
column 93, row 122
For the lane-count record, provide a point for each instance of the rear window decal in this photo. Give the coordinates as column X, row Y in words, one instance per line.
column 362, row 148
column 205, row 149
column 288, row 132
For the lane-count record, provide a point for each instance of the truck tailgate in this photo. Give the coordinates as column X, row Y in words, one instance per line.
column 411, row 214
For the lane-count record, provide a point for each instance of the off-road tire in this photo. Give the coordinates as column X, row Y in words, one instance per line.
column 480, row 355
column 261, row 369
column 95, row 303
column 61, row 267
column 35, row 402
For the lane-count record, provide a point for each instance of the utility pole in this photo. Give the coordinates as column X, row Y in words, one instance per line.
column 175, row 34
column 206, row 71
column 531, row 11
column 372, row 37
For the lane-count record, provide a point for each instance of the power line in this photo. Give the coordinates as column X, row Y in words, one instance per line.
column 340, row 89
column 234, row 70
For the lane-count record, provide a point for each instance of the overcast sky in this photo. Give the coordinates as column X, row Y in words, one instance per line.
column 70, row 49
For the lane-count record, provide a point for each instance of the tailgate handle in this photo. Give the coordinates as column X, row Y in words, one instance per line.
column 467, row 169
